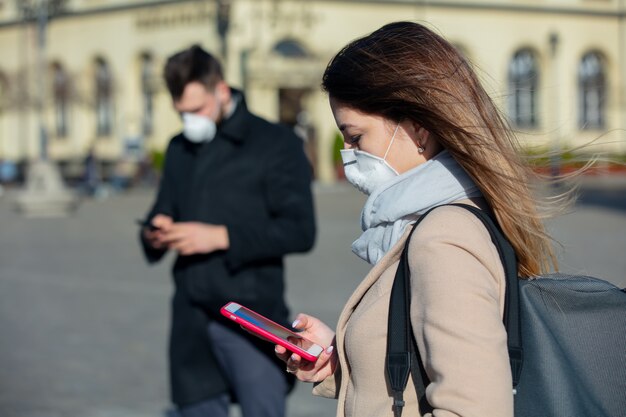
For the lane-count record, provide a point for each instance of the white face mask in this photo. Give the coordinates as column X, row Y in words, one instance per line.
column 198, row 128
column 366, row 171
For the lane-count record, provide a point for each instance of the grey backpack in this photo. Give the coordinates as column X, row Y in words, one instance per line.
column 566, row 340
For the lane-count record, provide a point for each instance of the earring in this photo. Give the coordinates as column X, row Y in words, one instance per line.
column 420, row 149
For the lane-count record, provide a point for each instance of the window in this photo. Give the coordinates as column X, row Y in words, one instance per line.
column 104, row 104
column 60, row 92
column 592, row 92
column 523, row 84
column 290, row 48
column 147, row 93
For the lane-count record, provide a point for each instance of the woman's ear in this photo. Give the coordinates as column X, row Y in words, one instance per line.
column 419, row 135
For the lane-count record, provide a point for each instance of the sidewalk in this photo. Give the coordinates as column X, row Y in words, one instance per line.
column 84, row 320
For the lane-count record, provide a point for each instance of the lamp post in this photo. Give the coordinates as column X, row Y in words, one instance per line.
column 45, row 195
column 41, row 11
column 223, row 24
column 555, row 159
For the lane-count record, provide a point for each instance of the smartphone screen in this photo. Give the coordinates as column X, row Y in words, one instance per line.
column 273, row 331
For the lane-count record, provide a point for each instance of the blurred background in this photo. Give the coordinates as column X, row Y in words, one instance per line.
column 85, row 118
column 81, row 77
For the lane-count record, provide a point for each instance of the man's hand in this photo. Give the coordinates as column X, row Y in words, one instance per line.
column 155, row 237
column 191, row 238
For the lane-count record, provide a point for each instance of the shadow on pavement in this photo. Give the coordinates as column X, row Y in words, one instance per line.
column 608, row 197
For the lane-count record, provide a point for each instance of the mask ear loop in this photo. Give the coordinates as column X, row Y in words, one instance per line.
column 390, row 143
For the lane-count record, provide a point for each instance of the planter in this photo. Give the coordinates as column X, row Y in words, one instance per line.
column 598, row 169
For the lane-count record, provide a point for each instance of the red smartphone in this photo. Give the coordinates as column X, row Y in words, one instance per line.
column 276, row 333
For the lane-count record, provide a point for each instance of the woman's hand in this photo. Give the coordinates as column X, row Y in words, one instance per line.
column 317, row 332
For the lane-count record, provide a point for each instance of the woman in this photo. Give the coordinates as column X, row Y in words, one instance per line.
column 419, row 132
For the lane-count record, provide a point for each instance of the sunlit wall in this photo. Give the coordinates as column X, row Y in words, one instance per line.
column 556, row 68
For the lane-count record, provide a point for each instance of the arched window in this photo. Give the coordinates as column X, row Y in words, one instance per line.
column 523, row 85
column 147, row 93
column 104, row 98
column 60, row 92
column 592, row 92
column 290, row 48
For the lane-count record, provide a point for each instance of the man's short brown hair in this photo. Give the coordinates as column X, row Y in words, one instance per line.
column 191, row 65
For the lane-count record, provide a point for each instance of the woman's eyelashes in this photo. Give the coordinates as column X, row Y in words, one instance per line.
column 354, row 139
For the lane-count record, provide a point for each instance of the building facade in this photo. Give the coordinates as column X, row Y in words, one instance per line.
column 557, row 68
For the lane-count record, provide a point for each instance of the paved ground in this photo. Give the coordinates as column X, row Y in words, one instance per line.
column 83, row 321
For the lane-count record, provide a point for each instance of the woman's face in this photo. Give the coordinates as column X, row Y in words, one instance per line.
column 373, row 133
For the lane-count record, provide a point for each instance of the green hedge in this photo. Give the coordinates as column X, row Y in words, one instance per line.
column 542, row 157
column 158, row 160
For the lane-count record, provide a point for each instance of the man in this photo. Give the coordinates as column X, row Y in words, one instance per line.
column 234, row 199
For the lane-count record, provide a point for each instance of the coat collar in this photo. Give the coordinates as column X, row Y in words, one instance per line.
column 391, row 257
column 235, row 127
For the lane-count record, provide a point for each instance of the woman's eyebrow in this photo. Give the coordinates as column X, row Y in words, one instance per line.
column 343, row 127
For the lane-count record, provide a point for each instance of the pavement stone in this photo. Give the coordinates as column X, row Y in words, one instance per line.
column 84, row 321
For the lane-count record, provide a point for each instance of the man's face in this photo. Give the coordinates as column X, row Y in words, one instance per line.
column 196, row 99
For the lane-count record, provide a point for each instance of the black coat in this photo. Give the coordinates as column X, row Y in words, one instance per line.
column 254, row 178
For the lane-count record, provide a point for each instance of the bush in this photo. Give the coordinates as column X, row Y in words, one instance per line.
column 157, row 159
column 541, row 159
column 337, row 147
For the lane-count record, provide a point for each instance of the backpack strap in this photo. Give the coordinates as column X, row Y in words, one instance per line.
column 511, row 319
column 403, row 356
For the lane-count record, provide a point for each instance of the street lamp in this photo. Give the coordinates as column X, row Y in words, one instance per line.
column 41, row 11
column 45, row 195
column 223, row 24
column 555, row 159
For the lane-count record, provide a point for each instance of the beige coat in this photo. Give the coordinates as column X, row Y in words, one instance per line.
column 457, row 286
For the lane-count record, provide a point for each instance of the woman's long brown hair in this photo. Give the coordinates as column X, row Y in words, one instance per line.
column 405, row 71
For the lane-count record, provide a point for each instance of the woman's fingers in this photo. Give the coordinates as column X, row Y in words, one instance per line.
column 309, row 371
column 313, row 329
column 294, row 360
column 301, row 322
column 282, row 353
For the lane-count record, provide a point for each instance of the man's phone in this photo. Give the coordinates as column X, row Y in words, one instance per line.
column 264, row 327
column 148, row 224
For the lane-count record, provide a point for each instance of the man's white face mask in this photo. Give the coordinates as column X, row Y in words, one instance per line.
column 198, row 128
column 366, row 171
